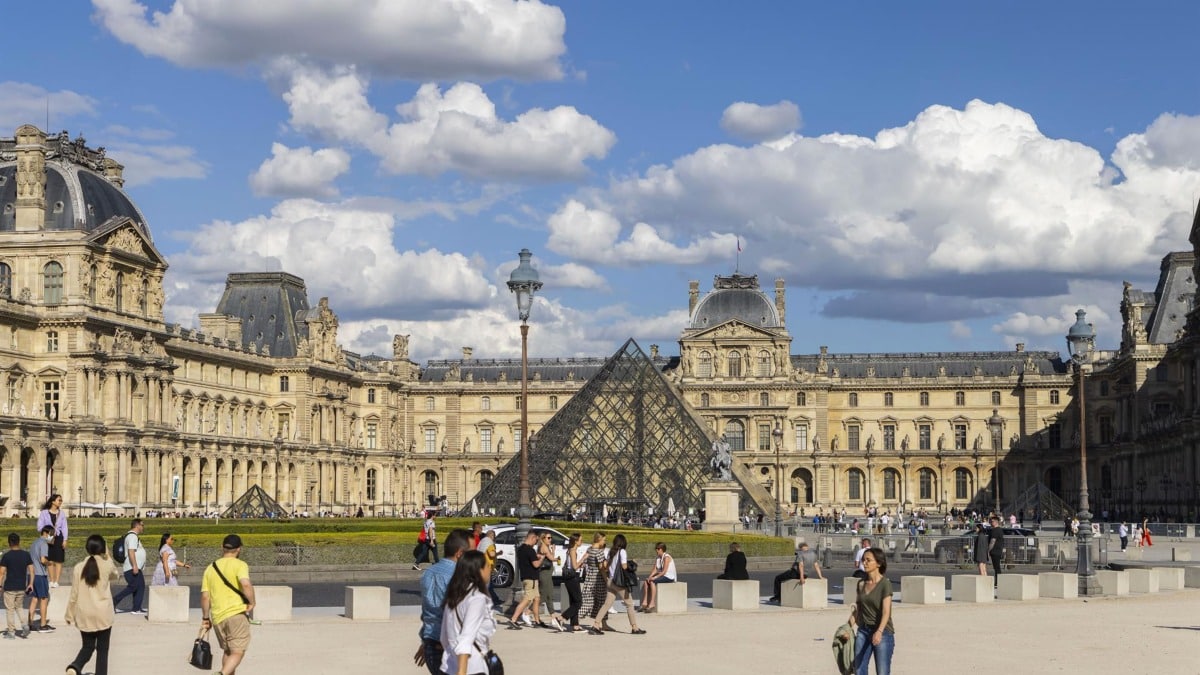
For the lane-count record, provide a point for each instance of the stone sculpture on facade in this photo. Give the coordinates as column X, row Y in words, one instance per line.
column 722, row 460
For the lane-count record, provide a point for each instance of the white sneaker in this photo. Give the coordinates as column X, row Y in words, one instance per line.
column 556, row 625
column 53, row 584
column 612, row 610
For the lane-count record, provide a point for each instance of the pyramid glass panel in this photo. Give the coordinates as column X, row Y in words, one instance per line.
column 254, row 503
column 626, row 441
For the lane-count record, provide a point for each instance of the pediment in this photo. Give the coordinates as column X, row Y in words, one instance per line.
column 734, row 328
column 123, row 236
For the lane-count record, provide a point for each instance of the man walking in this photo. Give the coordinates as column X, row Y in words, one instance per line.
column 427, row 541
column 433, row 592
column 135, row 562
column 1123, row 533
column 529, row 561
column 226, row 601
column 16, row 578
column 859, row 571
column 39, row 551
column 487, row 546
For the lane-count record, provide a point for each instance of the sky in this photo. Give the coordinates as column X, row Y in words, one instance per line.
column 935, row 176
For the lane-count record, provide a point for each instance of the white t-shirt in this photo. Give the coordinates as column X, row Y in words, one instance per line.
column 615, row 564
column 430, row 529
column 858, row 556
column 133, row 546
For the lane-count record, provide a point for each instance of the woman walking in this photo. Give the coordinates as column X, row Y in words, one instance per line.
column 618, row 562
column 165, row 570
column 53, row 515
column 574, row 562
column 872, row 617
column 594, row 586
column 546, row 580
column 467, row 622
column 90, row 608
column 1146, row 539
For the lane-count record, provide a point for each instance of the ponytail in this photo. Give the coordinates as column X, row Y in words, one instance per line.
column 91, row 569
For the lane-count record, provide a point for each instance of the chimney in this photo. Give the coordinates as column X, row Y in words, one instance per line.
column 780, row 303
column 467, row 352
column 31, row 179
column 114, row 172
column 693, row 296
column 1020, row 347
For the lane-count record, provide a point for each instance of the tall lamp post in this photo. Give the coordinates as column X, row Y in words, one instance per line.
column 1080, row 339
column 524, row 282
column 206, row 488
column 777, row 436
column 996, row 426
column 104, row 498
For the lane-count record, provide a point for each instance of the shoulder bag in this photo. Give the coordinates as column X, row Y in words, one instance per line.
column 629, row 577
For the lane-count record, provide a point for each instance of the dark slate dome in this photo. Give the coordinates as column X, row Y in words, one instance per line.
column 735, row 297
column 76, row 199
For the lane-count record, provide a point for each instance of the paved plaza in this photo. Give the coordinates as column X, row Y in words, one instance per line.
column 1135, row 634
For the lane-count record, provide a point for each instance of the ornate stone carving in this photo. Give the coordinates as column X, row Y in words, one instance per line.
column 122, row 340
column 400, row 347
column 126, row 240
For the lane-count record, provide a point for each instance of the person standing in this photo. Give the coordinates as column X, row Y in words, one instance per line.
column 980, row 553
column 53, row 515
column 133, row 568
column 90, row 606
column 872, row 617
column 225, row 607
column 1123, row 533
column 168, row 564
column 16, row 577
column 467, row 624
column 41, row 583
column 427, row 541
column 434, row 581
column 618, row 562
column 529, row 560
column 996, row 548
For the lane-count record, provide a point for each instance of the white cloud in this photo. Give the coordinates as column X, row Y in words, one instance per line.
column 570, row 275
column 754, row 122
column 960, row 330
column 418, row 39
column 300, row 172
column 24, row 103
column 593, row 235
column 145, row 163
column 456, row 130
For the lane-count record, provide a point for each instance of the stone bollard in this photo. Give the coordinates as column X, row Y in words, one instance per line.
column 1191, row 577
column 1143, row 580
column 368, row 603
column 273, row 603
column 57, row 610
column 168, row 604
column 923, row 591
column 1058, row 585
column 735, row 595
column 1181, row 554
column 972, row 588
column 1018, row 587
column 1113, row 582
column 1170, row 578
column 812, row 594
column 671, row 598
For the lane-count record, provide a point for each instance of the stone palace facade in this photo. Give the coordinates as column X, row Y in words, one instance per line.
column 105, row 402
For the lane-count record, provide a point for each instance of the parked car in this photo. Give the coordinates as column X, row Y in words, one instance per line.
column 504, row 573
column 1020, row 546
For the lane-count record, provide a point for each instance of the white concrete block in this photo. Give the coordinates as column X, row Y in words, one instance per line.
column 56, row 611
column 1134, row 553
column 923, row 590
column 1143, row 580
column 849, row 591
column 1181, row 554
column 168, row 604
column 1170, row 578
column 735, row 595
column 972, row 588
column 671, row 598
column 273, row 603
column 1191, row 577
column 368, row 603
column 1113, row 582
column 1018, row 587
column 812, row 594
column 1058, row 585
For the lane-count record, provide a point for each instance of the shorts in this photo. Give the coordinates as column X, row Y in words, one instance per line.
column 55, row 553
column 662, row 580
column 41, row 586
column 529, row 585
column 233, row 634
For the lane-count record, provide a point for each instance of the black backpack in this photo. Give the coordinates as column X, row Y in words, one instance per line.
column 118, row 550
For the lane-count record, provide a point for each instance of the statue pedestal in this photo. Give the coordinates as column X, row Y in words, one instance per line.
column 721, row 506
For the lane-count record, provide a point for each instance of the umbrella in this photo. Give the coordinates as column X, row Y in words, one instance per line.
column 670, row 506
column 604, row 513
column 474, row 508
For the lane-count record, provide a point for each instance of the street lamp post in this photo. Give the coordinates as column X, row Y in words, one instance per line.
column 777, row 436
column 996, row 426
column 104, row 498
column 206, row 488
column 524, row 282
column 1080, row 339
column 79, row 504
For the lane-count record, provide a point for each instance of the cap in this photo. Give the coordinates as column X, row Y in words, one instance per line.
column 231, row 542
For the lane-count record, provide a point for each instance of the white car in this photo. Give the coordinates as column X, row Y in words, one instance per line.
column 504, row 573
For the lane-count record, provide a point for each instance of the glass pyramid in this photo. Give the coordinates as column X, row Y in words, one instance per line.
column 255, row 503
column 626, row 441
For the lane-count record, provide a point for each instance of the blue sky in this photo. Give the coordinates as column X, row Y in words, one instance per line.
column 930, row 176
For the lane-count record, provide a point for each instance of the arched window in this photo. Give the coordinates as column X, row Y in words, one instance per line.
column 888, row 399
column 926, row 483
column 763, row 366
column 735, row 435
column 801, row 398
column 554, row 403
column 925, row 398
column 853, row 399
column 485, row 403
column 371, row 484
column 92, row 284
column 704, row 365
column 960, row 398
column 764, row 399
column 855, row 479
column 995, row 398
column 52, row 283
column 120, row 291
column 5, row 281
column 143, row 297
column 485, row 477
column 432, row 488
column 735, row 364
column 1053, row 397
column 704, row 400
column 962, row 483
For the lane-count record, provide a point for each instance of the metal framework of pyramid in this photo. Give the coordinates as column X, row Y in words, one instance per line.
column 626, row 441
column 255, row 503
column 1039, row 498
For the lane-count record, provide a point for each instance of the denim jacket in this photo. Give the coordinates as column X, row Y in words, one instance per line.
column 433, row 592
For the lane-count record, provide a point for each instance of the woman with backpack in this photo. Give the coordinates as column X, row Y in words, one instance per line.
column 90, row 607
column 616, row 565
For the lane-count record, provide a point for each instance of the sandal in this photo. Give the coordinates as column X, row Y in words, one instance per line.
column 592, row 630
column 513, row 626
column 638, row 631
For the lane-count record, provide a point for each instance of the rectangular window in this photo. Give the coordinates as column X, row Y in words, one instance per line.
column 371, row 395
column 925, row 399
column 1053, row 397
column 852, row 433
column 960, row 437
column 285, row 421
column 960, row 484
column 284, row 383
column 889, row 485
column 855, row 486
column 888, row 399
column 764, row 437
column 372, row 435
column 485, row 440
column 1054, row 435
column 428, row 404
column 518, row 401
column 1106, row 429
column 764, row 399
column 52, row 341
column 371, row 489
column 517, row 438
column 889, row 437
column 431, row 440
column 924, row 432
column 50, row 399
column 802, row 438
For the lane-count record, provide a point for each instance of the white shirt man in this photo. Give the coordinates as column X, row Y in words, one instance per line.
column 859, row 570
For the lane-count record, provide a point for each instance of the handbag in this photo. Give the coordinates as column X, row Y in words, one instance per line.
column 494, row 665
column 201, row 651
column 629, row 577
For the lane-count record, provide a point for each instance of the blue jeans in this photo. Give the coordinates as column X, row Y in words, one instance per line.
column 135, row 586
column 864, row 650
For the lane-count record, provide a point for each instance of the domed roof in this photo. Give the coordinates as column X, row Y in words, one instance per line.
column 737, row 297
